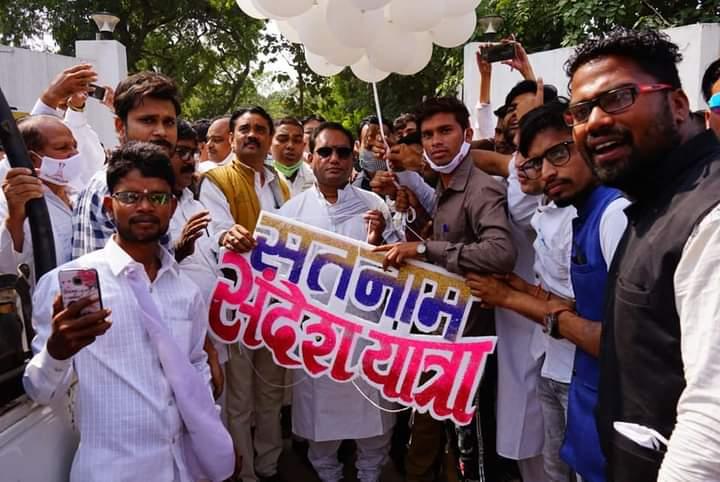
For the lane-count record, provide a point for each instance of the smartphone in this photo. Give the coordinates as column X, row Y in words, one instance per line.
column 80, row 283
column 96, row 92
column 498, row 52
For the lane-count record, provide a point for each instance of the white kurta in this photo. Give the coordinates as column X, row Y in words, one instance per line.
column 61, row 223
column 303, row 181
column 323, row 409
column 520, row 432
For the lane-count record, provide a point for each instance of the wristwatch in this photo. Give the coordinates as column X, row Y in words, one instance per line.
column 421, row 249
column 552, row 324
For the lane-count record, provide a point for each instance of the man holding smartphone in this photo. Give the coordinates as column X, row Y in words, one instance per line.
column 134, row 374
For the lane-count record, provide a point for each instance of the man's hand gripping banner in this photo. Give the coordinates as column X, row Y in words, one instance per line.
column 322, row 303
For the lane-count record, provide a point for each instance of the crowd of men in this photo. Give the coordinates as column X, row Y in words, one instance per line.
column 588, row 228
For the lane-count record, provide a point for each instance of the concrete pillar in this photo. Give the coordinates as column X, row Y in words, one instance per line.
column 110, row 61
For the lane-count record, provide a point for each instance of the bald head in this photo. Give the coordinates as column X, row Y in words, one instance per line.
column 218, row 139
column 46, row 135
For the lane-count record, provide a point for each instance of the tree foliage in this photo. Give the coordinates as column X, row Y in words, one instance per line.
column 219, row 56
column 209, row 46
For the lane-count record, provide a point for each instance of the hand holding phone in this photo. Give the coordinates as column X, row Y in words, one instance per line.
column 497, row 52
column 78, row 316
column 96, row 92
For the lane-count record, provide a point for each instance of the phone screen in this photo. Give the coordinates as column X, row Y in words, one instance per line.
column 80, row 283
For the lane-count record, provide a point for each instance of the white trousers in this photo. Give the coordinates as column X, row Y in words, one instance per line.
column 372, row 453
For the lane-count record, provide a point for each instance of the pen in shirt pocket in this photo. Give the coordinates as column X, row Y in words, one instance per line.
column 445, row 230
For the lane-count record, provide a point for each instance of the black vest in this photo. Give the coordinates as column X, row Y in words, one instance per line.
column 641, row 370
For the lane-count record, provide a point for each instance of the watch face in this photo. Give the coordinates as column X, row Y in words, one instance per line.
column 421, row 248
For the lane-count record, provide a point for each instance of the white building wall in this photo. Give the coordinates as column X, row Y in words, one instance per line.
column 699, row 44
column 24, row 74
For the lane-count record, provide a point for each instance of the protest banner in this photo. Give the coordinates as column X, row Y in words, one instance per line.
column 321, row 302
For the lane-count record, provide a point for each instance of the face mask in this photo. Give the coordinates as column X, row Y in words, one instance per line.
column 59, row 171
column 369, row 163
column 452, row 165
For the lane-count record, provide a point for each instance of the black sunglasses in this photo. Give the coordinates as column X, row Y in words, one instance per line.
column 342, row 152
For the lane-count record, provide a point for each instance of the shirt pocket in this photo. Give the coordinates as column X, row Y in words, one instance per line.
column 182, row 331
column 632, row 293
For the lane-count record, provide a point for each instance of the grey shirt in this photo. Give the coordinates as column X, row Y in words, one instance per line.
column 471, row 230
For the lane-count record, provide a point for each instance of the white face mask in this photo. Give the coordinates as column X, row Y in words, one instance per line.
column 452, row 165
column 59, row 171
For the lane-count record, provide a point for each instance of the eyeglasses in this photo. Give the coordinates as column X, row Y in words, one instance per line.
column 185, row 153
column 133, row 197
column 714, row 103
column 612, row 101
column 342, row 152
column 557, row 155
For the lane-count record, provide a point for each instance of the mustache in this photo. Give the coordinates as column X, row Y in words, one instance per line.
column 144, row 219
column 622, row 135
column 252, row 141
column 187, row 169
column 162, row 143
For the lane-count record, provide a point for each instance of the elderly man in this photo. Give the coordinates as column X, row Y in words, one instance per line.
column 219, row 150
column 53, row 151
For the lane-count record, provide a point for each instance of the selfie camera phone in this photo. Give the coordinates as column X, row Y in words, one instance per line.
column 76, row 284
column 498, row 52
column 96, row 92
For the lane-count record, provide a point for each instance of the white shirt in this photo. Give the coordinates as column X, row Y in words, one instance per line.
column 483, row 126
column 553, row 248
column 187, row 206
column 694, row 448
column 324, row 409
column 214, row 200
column 345, row 216
column 125, row 410
column 61, row 223
column 205, row 166
column 304, row 179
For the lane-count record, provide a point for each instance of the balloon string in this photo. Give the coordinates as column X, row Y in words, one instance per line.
column 407, row 218
column 372, row 402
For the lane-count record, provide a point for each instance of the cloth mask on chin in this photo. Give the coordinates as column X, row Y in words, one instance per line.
column 452, row 165
column 59, row 171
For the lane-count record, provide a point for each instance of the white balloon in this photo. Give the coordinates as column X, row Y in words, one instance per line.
column 338, row 54
column 288, row 31
column 415, row 16
column 365, row 71
column 313, row 30
column 370, row 4
column 251, row 10
column 422, row 53
column 392, row 49
column 454, row 31
column 284, row 8
column 455, row 8
column 320, row 65
column 351, row 26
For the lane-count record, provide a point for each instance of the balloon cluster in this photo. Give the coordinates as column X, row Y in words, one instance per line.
column 372, row 37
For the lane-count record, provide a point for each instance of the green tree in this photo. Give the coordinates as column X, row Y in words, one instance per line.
column 208, row 46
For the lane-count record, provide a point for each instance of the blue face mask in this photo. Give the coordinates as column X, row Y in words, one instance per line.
column 369, row 162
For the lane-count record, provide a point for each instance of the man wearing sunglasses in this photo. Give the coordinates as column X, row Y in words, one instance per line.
column 711, row 92
column 326, row 412
column 658, row 415
column 143, row 400
column 546, row 141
